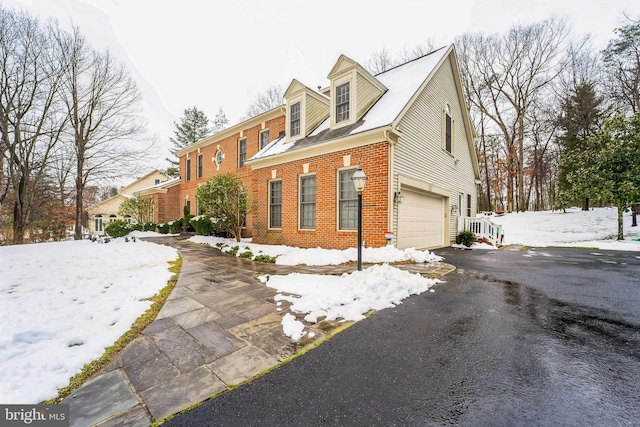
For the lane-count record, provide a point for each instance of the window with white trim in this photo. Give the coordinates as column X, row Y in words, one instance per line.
column 97, row 224
column 448, row 133
column 342, row 102
column 469, row 205
column 199, row 167
column 294, row 119
column 347, row 201
column 188, row 169
column 242, row 152
column 308, row 202
column 275, row 204
column 264, row 138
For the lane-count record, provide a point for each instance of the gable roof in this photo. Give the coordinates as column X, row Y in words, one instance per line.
column 403, row 82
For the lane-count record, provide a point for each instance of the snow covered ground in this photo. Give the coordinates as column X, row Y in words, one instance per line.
column 62, row 303
column 596, row 228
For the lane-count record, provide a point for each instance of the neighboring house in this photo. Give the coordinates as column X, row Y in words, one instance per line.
column 407, row 128
column 101, row 214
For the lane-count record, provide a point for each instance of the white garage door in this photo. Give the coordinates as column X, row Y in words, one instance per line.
column 420, row 221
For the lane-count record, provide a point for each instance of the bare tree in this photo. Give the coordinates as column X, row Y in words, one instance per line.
column 380, row 61
column 30, row 77
column 102, row 103
column 622, row 62
column 418, row 51
column 504, row 77
column 266, row 100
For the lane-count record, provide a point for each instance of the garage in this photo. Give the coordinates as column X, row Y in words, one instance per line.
column 420, row 220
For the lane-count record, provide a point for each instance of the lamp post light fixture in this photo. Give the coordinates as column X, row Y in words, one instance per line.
column 359, row 179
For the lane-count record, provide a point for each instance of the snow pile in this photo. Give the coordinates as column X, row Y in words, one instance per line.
column 346, row 297
column 289, row 255
column 63, row 303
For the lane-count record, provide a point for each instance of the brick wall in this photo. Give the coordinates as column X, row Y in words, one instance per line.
column 374, row 161
column 229, row 148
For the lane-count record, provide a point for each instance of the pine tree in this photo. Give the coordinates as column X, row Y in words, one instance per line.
column 193, row 127
column 581, row 117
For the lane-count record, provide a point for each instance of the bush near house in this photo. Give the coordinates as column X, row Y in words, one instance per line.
column 118, row 228
column 163, row 228
column 202, row 224
column 466, row 237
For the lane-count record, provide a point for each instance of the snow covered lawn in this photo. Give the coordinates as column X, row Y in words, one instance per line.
column 595, row 228
column 62, row 304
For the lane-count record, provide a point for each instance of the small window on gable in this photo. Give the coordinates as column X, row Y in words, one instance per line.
column 242, row 152
column 264, row 138
column 448, row 132
column 342, row 102
column 294, row 119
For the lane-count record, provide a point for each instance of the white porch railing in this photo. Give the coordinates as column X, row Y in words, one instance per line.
column 483, row 228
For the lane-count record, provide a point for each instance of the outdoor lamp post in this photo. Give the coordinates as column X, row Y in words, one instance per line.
column 359, row 180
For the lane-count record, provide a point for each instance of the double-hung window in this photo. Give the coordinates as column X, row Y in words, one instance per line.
column 199, row 168
column 242, row 152
column 294, row 120
column 264, row 138
column 188, row 169
column 308, row 202
column 98, row 223
column 347, row 201
column 275, row 204
column 469, row 205
column 342, row 102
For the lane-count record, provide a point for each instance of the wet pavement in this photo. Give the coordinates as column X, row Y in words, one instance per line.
column 540, row 337
column 219, row 327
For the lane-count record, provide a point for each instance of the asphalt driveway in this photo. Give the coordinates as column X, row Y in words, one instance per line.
column 538, row 337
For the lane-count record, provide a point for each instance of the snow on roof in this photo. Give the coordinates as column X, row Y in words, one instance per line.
column 402, row 82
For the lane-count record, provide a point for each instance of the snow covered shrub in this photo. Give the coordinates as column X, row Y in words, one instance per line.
column 118, row 228
column 163, row 228
column 202, row 224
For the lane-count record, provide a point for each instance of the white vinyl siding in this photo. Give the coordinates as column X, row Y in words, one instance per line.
column 419, row 153
column 365, row 95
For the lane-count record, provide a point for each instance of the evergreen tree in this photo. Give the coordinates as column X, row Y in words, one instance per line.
column 193, row 127
column 580, row 118
column 608, row 169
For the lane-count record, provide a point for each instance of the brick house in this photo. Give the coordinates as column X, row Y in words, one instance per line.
column 407, row 128
column 106, row 211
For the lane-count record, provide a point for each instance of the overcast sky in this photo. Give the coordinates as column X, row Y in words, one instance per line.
column 213, row 54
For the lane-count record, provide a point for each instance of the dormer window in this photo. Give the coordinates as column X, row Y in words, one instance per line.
column 342, row 102
column 294, row 124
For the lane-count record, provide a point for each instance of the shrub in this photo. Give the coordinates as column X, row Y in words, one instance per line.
column 135, row 227
column 163, row 228
column 234, row 250
column 202, row 225
column 246, row 255
column 466, row 237
column 118, row 228
column 267, row 259
column 175, row 226
column 149, row 226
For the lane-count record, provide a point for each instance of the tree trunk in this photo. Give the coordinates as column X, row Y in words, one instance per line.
column 79, row 194
column 620, row 226
column 585, row 204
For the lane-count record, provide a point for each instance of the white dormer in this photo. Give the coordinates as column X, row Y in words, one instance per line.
column 353, row 90
column 306, row 109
